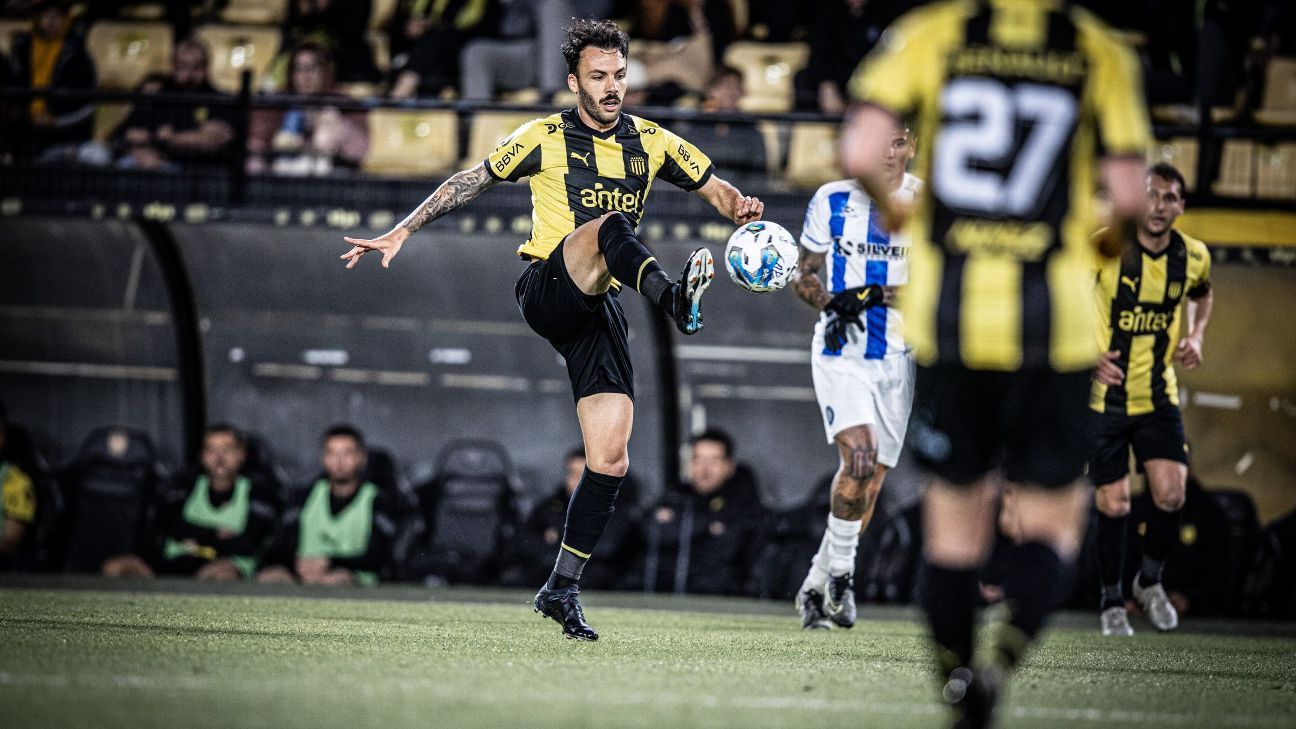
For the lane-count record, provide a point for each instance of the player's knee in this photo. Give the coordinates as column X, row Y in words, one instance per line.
column 1113, row 500
column 613, row 227
column 610, row 464
column 1170, row 499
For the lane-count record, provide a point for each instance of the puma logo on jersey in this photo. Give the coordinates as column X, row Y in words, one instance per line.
column 582, row 157
column 1131, row 282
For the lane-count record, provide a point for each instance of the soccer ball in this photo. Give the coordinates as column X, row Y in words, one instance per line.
column 761, row 256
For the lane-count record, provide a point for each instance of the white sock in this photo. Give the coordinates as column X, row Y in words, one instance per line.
column 843, row 541
column 818, row 576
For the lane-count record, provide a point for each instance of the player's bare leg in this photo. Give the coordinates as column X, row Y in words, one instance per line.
column 1113, row 502
column 1167, row 481
column 605, row 420
column 855, row 489
column 607, row 247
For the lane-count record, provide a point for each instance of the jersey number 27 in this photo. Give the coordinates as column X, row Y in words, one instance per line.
column 979, row 164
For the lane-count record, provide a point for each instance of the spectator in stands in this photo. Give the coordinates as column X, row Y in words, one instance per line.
column 214, row 520
column 341, row 532
column 523, row 48
column 426, row 40
column 842, row 33
column 735, row 147
column 538, row 539
column 705, row 535
column 674, row 20
column 52, row 55
column 163, row 136
column 17, row 499
column 678, row 63
column 337, row 26
column 312, row 140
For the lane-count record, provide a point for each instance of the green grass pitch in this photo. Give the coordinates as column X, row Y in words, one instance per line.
column 97, row 654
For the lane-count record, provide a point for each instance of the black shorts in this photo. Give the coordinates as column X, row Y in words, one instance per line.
column 588, row 331
column 1158, row 434
column 1031, row 425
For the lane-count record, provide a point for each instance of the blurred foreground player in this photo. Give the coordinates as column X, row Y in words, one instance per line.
column 863, row 372
column 1136, row 395
column 590, row 169
column 1014, row 100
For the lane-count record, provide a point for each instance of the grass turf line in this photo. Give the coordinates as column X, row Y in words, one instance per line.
column 120, row 659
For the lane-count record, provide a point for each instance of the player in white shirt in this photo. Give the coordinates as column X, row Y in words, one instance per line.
column 863, row 374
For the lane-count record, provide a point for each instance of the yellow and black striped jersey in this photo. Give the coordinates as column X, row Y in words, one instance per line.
column 1138, row 302
column 1013, row 103
column 578, row 174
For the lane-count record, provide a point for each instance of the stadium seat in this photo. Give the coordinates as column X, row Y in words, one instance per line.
column 9, row 27
column 812, row 155
column 1182, row 153
column 381, row 46
column 1276, row 171
column 1279, row 102
column 411, row 143
column 1237, row 169
column 125, row 52
column 381, row 13
column 107, row 118
column 108, row 492
column 767, row 70
column 488, row 129
column 143, row 11
column 255, row 12
column 236, row 48
column 468, row 510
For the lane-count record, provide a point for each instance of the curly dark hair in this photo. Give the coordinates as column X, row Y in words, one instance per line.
column 586, row 32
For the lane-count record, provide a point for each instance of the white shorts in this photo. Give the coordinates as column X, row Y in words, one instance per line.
column 856, row 391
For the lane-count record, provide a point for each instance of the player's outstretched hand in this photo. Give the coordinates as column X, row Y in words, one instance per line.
column 1189, row 352
column 1108, row 372
column 388, row 245
column 747, row 210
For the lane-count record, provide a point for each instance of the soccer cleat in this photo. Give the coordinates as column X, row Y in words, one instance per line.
column 565, row 609
column 973, row 696
column 839, row 604
column 1115, row 621
column 1156, row 604
column 809, row 602
column 697, row 276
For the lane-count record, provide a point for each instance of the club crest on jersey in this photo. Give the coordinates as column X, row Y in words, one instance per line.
column 1174, row 290
column 638, row 166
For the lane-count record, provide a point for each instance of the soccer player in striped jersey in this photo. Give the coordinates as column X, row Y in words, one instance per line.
column 863, row 374
column 589, row 169
column 1136, row 395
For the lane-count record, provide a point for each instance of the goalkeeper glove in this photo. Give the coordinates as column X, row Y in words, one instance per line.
column 852, row 302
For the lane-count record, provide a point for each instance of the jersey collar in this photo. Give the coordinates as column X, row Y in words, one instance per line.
column 581, row 125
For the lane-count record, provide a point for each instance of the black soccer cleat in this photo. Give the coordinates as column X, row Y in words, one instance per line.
column 973, row 696
column 564, row 607
column 839, row 603
column 697, row 276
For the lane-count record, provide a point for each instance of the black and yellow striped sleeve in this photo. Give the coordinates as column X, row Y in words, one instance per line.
column 1199, row 267
column 519, row 155
column 1116, row 92
column 684, row 165
column 906, row 66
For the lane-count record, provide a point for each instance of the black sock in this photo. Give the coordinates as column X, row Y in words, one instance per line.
column 948, row 601
column 1037, row 580
column 1111, row 558
column 588, row 513
column 1162, row 526
column 632, row 263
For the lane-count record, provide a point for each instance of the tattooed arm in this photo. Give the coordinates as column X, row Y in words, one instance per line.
column 453, row 194
column 811, row 290
column 805, row 280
